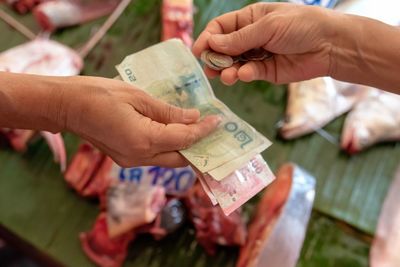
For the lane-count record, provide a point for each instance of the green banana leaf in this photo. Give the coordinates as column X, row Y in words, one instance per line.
column 36, row 204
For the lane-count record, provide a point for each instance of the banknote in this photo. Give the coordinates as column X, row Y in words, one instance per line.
column 170, row 72
column 241, row 185
column 207, row 190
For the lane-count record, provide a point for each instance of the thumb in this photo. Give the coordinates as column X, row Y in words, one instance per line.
column 240, row 41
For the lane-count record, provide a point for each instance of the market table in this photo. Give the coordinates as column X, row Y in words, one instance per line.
column 42, row 216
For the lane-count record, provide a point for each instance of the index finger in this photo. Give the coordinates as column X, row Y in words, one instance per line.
column 225, row 23
column 233, row 21
column 175, row 136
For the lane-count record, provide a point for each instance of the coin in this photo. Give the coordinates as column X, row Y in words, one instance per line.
column 257, row 54
column 218, row 61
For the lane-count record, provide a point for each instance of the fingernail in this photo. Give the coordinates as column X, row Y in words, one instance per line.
column 218, row 39
column 191, row 115
column 218, row 119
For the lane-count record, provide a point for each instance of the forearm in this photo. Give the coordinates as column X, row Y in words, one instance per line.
column 31, row 102
column 366, row 51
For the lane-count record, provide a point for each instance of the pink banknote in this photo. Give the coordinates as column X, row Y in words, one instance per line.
column 240, row 186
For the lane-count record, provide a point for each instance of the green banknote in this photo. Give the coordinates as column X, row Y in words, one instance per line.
column 170, row 72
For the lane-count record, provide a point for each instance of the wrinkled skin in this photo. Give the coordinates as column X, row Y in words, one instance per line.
column 43, row 57
column 296, row 34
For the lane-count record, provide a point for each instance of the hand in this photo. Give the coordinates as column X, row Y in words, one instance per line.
column 297, row 35
column 128, row 125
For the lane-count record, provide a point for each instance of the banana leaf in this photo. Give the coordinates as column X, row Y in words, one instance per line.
column 36, row 204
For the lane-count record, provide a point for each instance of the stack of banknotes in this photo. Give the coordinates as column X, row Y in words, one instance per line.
column 228, row 162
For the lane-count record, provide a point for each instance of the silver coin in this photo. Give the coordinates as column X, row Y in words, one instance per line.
column 218, row 61
column 257, row 54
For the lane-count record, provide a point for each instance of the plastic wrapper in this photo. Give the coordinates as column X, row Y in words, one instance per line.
column 90, row 173
column 176, row 181
column 322, row 3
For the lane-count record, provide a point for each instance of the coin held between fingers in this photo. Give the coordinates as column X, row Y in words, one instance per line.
column 218, row 61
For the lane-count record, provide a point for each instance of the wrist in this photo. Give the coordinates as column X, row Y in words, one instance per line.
column 29, row 102
column 365, row 51
column 82, row 102
column 344, row 41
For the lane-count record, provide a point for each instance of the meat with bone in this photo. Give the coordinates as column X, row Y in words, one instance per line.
column 83, row 168
column 131, row 205
column 100, row 181
column 313, row 104
column 24, row 6
column 103, row 250
column 42, row 57
column 375, row 119
column 17, row 138
column 90, row 173
column 177, row 20
column 52, row 15
column 111, row 252
column 277, row 231
column 169, row 219
column 56, row 144
column 212, row 226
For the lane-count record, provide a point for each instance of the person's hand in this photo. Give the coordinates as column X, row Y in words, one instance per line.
column 129, row 125
column 297, row 35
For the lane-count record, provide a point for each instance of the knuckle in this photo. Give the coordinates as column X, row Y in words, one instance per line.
column 153, row 139
column 238, row 36
column 144, row 147
column 170, row 112
column 239, row 39
column 188, row 140
column 212, row 24
column 124, row 163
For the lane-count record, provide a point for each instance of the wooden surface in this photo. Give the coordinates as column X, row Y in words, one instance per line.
column 36, row 205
